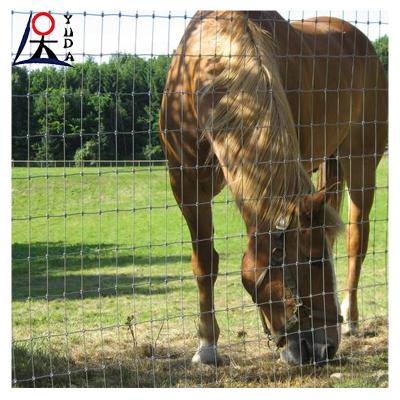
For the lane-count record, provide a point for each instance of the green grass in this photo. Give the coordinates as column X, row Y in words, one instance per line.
column 92, row 247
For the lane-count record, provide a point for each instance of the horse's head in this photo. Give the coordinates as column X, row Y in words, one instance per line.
column 289, row 273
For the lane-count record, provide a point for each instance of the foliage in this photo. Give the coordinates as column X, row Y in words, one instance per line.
column 57, row 111
column 152, row 152
column 382, row 49
column 87, row 152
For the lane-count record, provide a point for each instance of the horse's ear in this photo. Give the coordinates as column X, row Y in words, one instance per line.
column 313, row 203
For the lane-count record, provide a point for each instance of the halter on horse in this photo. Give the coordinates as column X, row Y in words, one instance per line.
column 290, row 283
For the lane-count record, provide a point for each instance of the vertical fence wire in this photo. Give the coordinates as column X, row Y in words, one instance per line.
column 103, row 292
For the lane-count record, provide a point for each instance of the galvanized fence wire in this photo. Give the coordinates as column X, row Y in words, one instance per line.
column 103, row 292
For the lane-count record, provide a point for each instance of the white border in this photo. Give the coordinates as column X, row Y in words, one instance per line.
column 5, row 194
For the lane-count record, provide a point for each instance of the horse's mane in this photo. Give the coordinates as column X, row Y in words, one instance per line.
column 251, row 128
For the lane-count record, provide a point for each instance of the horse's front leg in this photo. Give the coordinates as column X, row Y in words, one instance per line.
column 205, row 268
column 195, row 205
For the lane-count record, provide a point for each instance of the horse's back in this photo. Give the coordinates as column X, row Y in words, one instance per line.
column 323, row 25
column 337, row 88
column 344, row 51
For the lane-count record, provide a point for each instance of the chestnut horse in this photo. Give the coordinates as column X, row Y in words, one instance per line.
column 258, row 104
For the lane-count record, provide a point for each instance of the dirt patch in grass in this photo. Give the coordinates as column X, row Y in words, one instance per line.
column 115, row 359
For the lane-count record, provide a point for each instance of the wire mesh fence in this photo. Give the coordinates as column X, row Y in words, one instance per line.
column 107, row 226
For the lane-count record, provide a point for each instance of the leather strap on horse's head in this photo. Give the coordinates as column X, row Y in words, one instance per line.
column 290, row 287
column 277, row 260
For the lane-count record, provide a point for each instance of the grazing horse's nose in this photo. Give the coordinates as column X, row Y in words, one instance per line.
column 305, row 348
column 327, row 353
column 323, row 352
column 296, row 352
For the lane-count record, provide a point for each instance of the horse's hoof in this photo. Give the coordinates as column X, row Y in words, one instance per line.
column 349, row 328
column 209, row 355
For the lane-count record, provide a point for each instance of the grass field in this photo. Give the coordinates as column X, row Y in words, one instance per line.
column 103, row 293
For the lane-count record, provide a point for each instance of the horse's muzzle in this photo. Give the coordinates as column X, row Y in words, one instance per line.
column 307, row 348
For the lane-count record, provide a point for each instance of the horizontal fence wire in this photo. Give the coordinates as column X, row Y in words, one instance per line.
column 117, row 234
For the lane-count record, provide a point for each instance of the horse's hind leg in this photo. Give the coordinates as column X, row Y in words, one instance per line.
column 195, row 204
column 360, row 175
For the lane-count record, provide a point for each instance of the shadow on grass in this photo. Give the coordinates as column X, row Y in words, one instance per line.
column 90, row 272
column 76, row 255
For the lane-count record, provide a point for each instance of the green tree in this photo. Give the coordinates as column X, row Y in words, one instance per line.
column 382, row 49
column 20, row 100
column 89, row 151
column 65, row 111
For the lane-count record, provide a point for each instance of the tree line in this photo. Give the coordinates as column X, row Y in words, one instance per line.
column 94, row 111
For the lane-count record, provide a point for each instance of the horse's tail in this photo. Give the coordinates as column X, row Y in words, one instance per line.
column 251, row 128
column 330, row 173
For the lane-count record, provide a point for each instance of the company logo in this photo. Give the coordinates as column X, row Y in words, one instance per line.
column 44, row 54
